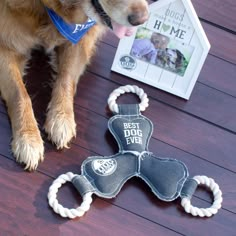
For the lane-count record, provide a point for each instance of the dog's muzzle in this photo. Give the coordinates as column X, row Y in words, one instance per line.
column 136, row 18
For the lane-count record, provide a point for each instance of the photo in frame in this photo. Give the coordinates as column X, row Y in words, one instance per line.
column 166, row 52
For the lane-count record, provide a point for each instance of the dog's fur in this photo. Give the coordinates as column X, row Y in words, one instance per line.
column 25, row 24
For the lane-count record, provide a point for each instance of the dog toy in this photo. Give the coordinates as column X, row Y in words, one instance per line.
column 105, row 175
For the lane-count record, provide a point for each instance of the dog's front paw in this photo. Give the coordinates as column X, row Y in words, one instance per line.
column 28, row 149
column 61, row 128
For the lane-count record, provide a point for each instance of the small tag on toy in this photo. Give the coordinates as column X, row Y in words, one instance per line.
column 106, row 175
column 72, row 32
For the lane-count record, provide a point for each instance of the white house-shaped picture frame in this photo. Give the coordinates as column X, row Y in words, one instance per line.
column 166, row 52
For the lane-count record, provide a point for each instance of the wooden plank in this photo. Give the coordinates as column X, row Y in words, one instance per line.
column 223, row 44
column 217, row 12
column 103, row 143
column 97, row 142
column 149, row 208
column 173, row 216
column 135, row 187
column 24, row 194
column 197, row 105
column 135, row 197
column 205, row 102
column 219, row 74
column 91, row 86
column 222, row 79
column 184, row 130
column 173, row 127
column 176, row 128
column 71, row 160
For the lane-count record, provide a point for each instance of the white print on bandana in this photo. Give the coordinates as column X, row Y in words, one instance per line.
column 80, row 27
column 72, row 32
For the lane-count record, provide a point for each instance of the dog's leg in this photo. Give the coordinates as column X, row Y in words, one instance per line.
column 72, row 60
column 27, row 144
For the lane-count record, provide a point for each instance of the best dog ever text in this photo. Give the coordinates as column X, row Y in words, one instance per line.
column 132, row 133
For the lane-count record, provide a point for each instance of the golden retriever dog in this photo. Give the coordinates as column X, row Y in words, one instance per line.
column 24, row 25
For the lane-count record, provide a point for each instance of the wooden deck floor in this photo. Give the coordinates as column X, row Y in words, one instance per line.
column 200, row 132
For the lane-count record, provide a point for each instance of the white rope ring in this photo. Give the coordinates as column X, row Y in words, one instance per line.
column 127, row 89
column 202, row 212
column 59, row 209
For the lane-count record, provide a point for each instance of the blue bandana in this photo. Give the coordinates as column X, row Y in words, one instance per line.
column 72, row 32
